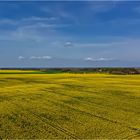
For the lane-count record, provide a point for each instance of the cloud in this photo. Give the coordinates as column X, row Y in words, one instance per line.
column 21, row 57
column 104, row 44
column 28, row 20
column 98, row 59
column 46, row 57
column 45, row 25
column 68, row 44
column 88, row 59
column 34, row 23
column 60, row 12
column 40, row 19
column 101, row 6
column 33, row 28
column 8, row 21
column 41, row 57
column 137, row 9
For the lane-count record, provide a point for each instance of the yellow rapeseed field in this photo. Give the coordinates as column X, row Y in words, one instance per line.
column 72, row 106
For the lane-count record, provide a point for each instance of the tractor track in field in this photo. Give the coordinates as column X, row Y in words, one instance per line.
column 58, row 128
column 96, row 104
column 44, row 119
column 136, row 135
column 96, row 116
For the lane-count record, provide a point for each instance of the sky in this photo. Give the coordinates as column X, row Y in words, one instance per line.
column 70, row 34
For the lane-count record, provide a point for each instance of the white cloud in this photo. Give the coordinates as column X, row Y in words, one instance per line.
column 41, row 57
column 45, row 25
column 68, row 44
column 40, row 19
column 137, row 9
column 8, row 21
column 89, row 59
column 21, row 57
column 100, row 6
column 46, row 57
column 27, row 20
column 98, row 59
column 59, row 12
column 108, row 44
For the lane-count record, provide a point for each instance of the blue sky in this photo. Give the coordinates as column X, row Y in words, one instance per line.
column 70, row 34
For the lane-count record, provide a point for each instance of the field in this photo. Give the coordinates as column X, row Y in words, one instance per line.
column 72, row 106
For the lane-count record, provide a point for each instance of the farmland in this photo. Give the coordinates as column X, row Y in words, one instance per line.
column 34, row 105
